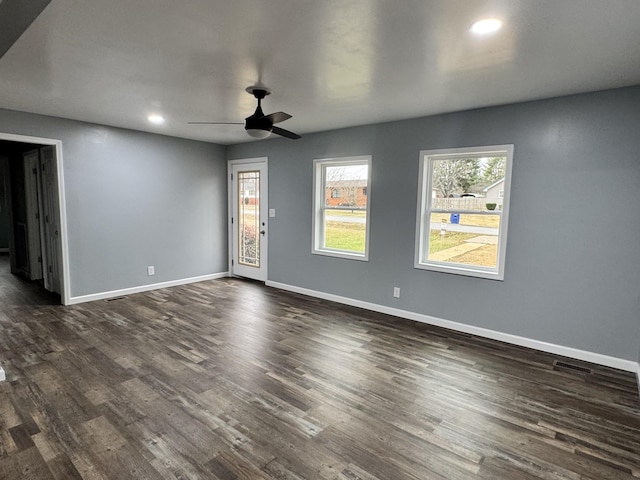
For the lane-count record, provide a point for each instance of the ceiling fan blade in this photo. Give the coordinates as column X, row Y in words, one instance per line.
column 285, row 133
column 278, row 117
column 215, row 123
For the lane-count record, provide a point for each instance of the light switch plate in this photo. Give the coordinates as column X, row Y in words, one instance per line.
column 272, row 212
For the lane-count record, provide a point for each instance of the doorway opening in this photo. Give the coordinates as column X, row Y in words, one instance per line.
column 31, row 221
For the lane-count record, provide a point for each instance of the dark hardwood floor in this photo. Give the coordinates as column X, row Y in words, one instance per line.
column 229, row 379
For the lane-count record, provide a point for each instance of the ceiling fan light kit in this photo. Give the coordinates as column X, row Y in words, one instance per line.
column 257, row 133
column 260, row 125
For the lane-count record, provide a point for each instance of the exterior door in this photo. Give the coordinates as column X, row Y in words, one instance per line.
column 248, row 218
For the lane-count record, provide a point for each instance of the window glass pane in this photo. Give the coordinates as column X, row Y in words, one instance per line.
column 249, row 218
column 345, row 185
column 345, row 229
column 454, row 177
column 464, row 238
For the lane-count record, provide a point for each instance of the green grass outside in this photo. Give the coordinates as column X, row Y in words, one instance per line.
column 351, row 236
column 452, row 239
column 345, row 236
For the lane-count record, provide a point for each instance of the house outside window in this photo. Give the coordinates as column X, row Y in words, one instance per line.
column 463, row 207
column 341, row 221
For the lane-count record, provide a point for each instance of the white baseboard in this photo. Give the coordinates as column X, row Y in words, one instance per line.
column 3, row 377
column 564, row 351
column 144, row 288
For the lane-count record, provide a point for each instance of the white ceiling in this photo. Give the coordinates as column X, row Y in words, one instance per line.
column 330, row 63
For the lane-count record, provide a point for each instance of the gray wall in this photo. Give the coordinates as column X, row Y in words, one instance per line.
column 572, row 270
column 135, row 199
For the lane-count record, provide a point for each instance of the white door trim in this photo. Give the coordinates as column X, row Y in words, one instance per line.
column 264, row 194
column 62, row 206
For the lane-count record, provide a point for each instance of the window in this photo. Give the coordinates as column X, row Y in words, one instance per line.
column 341, row 222
column 463, row 207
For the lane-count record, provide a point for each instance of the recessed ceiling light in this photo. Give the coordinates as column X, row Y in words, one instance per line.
column 488, row 25
column 156, row 119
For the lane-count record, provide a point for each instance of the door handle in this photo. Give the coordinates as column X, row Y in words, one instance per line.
column 262, row 232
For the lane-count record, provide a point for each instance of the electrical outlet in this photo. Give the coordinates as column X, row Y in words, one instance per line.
column 396, row 292
column 151, row 270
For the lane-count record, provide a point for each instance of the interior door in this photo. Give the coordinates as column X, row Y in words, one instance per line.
column 31, row 163
column 5, row 205
column 249, row 209
column 52, row 247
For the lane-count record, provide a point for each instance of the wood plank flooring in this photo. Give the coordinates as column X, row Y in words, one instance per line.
column 229, row 379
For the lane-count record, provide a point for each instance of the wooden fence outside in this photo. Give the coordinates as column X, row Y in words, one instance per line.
column 465, row 203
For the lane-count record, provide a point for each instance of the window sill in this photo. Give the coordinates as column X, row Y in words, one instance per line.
column 342, row 254
column 467, row 271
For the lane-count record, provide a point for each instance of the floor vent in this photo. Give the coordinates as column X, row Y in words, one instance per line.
column 114, row 299
column 559, row 364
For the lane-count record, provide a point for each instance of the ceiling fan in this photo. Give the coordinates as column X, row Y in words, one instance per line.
column 260, row 125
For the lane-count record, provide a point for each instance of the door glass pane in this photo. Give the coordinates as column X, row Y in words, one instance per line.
column 249, row 218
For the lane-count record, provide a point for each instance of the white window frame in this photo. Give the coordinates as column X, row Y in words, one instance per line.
column 424, row 210
column 319, row 206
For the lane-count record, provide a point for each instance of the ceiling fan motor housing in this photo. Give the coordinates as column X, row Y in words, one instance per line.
column 258, row 121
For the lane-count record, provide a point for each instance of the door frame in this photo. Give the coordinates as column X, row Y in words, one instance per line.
column 264, row 194
column 62, row 208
